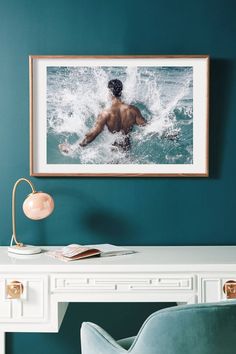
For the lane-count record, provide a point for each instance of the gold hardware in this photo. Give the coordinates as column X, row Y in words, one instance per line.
column 15, row 289
column 229, row 289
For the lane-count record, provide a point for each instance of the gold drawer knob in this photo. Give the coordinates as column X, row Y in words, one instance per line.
column 229, row 289
column 15, row 289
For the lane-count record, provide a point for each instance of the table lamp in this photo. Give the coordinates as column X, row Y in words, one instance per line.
column 37, row 206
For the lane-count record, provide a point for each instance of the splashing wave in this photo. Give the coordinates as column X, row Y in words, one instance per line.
column 76, row 95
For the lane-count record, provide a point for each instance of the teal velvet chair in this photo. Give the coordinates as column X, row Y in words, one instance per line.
column 188, row 329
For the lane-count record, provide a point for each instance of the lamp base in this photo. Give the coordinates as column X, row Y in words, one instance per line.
column 24, row 250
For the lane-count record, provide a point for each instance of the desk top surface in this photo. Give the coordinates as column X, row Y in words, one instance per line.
column 146, row 259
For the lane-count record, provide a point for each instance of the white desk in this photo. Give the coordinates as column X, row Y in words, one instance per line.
column 153, row 274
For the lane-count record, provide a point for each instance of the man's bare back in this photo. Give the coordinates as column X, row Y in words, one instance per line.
column 119, row 118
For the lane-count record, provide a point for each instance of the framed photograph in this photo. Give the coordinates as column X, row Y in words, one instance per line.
column 119, row 115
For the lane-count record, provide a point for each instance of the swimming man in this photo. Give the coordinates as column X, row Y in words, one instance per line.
column 120, row 117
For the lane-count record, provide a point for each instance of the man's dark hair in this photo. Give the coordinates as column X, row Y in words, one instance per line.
column 116, row 87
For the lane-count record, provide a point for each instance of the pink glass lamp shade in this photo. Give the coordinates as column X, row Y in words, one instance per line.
column 38, row 205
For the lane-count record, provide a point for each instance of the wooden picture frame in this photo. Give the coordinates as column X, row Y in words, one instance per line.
column 152, row 120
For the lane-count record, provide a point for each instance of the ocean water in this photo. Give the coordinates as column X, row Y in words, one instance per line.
column 164, row 95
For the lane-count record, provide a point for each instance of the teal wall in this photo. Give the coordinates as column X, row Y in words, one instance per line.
column 158, row 211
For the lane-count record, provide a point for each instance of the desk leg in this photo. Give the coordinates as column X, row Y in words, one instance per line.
column 2, row 342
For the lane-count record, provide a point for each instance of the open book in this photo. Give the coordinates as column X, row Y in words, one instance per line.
column 74, row 252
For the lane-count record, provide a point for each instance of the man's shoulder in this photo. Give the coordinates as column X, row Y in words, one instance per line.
column 105, row 113
column 127, row 106
column 133, row 108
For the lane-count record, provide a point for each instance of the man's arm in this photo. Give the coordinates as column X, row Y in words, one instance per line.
column 139, row 119
column 96, row 130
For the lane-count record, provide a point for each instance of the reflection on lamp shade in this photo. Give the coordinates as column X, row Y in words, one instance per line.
column 38, row 205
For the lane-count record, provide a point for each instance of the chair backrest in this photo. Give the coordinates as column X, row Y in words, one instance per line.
column 191, row 329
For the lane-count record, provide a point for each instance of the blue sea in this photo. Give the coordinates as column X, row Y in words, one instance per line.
column 164, row 95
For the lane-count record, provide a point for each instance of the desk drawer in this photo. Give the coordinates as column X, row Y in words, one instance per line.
column 120, row 282
column 213, row 287
column 28, row 306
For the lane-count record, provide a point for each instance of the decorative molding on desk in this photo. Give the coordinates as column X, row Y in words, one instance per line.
column 120, row 282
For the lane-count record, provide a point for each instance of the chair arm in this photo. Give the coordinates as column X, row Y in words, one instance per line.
column 97, row 341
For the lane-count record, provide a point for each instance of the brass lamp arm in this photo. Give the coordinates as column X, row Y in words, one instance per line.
column 13, row 208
